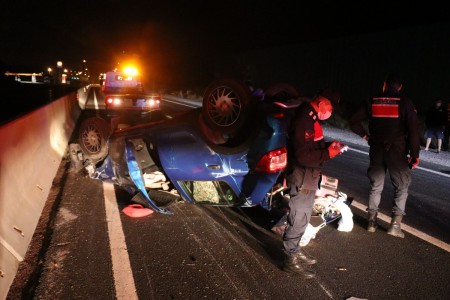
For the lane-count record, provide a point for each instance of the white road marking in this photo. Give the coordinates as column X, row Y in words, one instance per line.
column 419, row 168
column 181, row 103
column 406, row 228
column 123, row 276
column 95, row 100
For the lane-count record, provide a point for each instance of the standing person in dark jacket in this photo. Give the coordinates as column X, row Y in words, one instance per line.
column 435, row 122
column 307, row 151
column 394, row 146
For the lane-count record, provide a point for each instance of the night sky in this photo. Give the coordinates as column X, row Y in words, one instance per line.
column 176, row 36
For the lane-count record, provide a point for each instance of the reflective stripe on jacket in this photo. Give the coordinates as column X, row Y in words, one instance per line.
column 392, row 117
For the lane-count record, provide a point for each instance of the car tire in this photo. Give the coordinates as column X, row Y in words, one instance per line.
column 226, row 105
column 93, row 136
column 160, row 198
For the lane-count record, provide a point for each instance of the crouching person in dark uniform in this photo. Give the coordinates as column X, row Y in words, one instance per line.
column 394, row 145
column 307, row 151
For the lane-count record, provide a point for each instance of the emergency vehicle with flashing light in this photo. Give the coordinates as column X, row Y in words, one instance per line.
column 124, row 91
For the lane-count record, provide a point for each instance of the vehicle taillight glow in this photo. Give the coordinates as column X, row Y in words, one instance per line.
column 278, row 116
column 114, row 101
column 272, row 162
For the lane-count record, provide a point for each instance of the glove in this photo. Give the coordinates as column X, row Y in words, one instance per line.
column 333, row 150
column 413, row 162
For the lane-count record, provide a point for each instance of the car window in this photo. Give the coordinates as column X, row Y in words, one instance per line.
column 210, row 192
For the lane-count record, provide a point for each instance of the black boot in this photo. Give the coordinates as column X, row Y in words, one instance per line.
column 292, row 265
column 395, row 228
column 305, row 258
column 372, row 226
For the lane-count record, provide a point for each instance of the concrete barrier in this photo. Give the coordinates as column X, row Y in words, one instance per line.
column 31, row 150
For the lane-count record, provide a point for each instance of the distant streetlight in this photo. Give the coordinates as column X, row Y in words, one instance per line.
column 49, row 70
column 59, row 65
column 85, row 71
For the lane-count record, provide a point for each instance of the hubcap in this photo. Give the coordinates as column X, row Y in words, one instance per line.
column 224, row 106
column 92, row 139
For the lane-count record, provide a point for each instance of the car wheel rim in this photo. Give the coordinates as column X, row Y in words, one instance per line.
column 224, row 106
column 92, row 139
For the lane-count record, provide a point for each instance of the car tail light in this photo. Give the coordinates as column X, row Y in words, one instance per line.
column 113, row 101
column 272, row 162
column 154, row 101
column 278, row 116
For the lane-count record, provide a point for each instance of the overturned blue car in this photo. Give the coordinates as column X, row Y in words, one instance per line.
column 229, row 152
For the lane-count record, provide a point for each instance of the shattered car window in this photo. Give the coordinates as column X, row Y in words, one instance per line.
column 210, row 192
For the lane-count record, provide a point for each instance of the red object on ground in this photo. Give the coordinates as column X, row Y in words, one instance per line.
column 137, row 211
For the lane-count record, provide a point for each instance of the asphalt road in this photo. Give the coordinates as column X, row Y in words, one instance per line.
column 221, row 253
column 86, row 248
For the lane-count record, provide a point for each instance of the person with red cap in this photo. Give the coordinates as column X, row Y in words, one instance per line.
column 394, row 142
column 307, row 151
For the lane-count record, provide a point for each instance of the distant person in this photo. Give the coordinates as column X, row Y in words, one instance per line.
column 307, row 151
column 435, row 122
column 394, row 140
column 445, row 144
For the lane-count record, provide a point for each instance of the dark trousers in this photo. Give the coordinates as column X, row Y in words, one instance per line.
column 300, row 208
column 446, row 139
column 388, row 157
